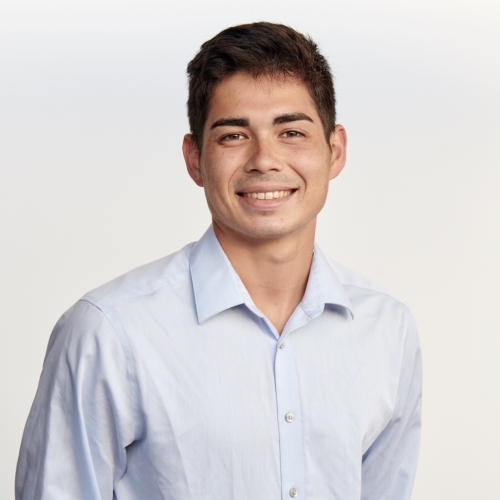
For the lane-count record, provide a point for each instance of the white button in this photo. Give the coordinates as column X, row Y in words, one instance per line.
column 282, row 345
column 294, row 492
column 289, row 417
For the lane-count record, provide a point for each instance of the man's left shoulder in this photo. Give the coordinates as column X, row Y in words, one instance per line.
column 369, row 297
column 355, row 280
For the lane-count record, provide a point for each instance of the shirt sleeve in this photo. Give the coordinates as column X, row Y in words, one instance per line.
column 82, row 418
column 389, row 465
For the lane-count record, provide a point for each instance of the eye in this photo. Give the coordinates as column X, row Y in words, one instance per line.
column 232, row 137
column 292, row 133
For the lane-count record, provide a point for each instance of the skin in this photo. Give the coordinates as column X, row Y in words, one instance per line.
column 264, row 135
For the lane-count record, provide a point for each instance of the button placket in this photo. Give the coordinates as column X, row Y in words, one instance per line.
column 289, row 426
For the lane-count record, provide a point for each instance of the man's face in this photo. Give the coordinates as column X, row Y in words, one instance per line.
column 265, row 164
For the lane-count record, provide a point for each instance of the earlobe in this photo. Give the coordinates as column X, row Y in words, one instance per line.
column 192, row 159
column 338, row 144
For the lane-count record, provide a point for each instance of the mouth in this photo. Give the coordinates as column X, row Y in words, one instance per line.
column 267, row 195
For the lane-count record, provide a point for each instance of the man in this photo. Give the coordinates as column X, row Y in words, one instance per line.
column 247, row 365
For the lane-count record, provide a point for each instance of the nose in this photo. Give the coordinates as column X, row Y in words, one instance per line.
column 264, row 157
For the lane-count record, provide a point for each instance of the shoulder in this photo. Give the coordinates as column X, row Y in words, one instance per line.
column 373, row 303
column 92, row 320
column 142, row 281
column 355, row 282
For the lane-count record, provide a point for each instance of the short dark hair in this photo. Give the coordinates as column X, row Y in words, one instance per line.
column 258, row 49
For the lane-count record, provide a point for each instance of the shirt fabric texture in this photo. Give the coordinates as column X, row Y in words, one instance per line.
column 169, row 383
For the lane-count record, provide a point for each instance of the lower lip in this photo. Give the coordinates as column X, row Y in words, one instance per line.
column 266, row 204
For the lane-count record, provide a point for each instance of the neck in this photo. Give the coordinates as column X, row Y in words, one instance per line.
column 274, row 271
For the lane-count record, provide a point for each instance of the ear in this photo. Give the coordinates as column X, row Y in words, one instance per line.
column 192, row 159
column 338, row 145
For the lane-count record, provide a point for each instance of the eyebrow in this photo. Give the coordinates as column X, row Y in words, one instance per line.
column 230, row 122
column 291, row 117
column 244, row 122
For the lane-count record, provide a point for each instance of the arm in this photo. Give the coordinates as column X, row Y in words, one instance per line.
column 389, row 465
column 82, row 418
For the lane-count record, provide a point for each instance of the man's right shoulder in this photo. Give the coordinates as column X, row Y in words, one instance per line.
column 142, row 281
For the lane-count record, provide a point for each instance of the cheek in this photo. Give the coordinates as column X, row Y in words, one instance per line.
column 312, row 159
column 216, row 181
column 315, row 172
column 211, row 173
column 317, row 181
column 222, row 173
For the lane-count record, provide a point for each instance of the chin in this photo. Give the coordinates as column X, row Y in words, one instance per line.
column 267, row 232
column 263, row 228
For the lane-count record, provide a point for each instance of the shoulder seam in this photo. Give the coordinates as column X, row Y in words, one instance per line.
column 396, row 299
column 100, row 308
column 90, row 299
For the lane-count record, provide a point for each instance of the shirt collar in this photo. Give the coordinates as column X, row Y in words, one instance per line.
column 217, row 287
column 323, row 287
column 215, row 282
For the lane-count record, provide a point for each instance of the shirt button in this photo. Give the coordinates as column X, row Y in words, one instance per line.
column 294, row 492
column 289, row 418
column 282, row 345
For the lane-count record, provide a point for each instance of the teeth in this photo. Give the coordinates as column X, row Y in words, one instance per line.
column 268, row 195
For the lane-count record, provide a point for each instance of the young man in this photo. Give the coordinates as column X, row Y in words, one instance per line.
column 247, row 365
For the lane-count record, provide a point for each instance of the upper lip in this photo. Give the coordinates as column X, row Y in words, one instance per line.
column 266, row 189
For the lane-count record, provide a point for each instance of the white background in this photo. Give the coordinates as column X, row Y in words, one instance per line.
column 92, row 114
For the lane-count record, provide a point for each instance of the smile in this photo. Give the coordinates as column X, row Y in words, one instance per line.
column 269, row 195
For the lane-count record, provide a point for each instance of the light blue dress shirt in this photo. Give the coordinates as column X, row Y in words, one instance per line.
column 168, row 383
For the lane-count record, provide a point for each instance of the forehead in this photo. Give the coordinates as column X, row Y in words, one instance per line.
column 243, row 94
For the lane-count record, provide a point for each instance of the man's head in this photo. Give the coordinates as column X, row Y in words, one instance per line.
column 264, row 143
column 258, row 49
